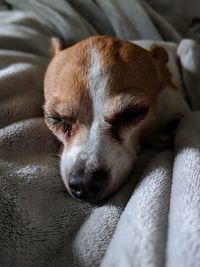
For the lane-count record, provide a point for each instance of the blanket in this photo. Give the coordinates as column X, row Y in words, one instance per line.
column 154, row 219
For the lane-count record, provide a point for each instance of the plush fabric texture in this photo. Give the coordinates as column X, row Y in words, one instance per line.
column 154, row 220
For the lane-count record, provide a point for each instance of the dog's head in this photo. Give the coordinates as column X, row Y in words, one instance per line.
column 100, row 96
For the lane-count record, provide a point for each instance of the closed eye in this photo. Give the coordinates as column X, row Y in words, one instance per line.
column 130, row 116
column 63, row 124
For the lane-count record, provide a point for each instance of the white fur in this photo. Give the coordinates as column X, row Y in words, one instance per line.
column 98, row 148
column 98, row 81
column 68, row 159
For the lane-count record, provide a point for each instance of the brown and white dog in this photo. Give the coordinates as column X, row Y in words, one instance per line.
column 100, row 101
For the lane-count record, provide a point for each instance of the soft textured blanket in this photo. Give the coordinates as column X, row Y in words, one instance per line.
column 153, row 223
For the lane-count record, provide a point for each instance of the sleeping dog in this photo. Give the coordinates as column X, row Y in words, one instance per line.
column 101, row 101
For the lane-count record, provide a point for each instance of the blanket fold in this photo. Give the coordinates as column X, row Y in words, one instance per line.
column 152, row 223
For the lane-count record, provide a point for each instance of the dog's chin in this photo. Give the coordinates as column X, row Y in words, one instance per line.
column 115, row 184
column 112, row 190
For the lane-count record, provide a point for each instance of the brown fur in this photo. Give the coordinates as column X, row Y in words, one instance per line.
column 161, row 58
column 100, row 101
column 133, row 70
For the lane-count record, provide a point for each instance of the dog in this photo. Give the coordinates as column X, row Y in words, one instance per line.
column 101, row 99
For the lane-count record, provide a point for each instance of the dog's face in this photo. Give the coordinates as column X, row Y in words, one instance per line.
column 100, row 96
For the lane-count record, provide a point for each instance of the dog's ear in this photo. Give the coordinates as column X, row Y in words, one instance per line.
column 160, row 58
column 159, row 54
column 57, row 46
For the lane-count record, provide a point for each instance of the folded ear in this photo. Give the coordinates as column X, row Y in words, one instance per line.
column 159, row 54
column 57, row 46
column 160, row 58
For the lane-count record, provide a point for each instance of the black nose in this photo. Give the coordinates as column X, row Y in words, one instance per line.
column 88, row 186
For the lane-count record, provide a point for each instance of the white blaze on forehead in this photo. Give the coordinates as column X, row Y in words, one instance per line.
column 98, row 143
column 98, row 79
column 98, row 150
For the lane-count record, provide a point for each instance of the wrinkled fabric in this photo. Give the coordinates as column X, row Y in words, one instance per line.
column 154, row 222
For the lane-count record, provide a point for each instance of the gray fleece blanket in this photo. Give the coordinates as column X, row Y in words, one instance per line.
column 152, row 223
